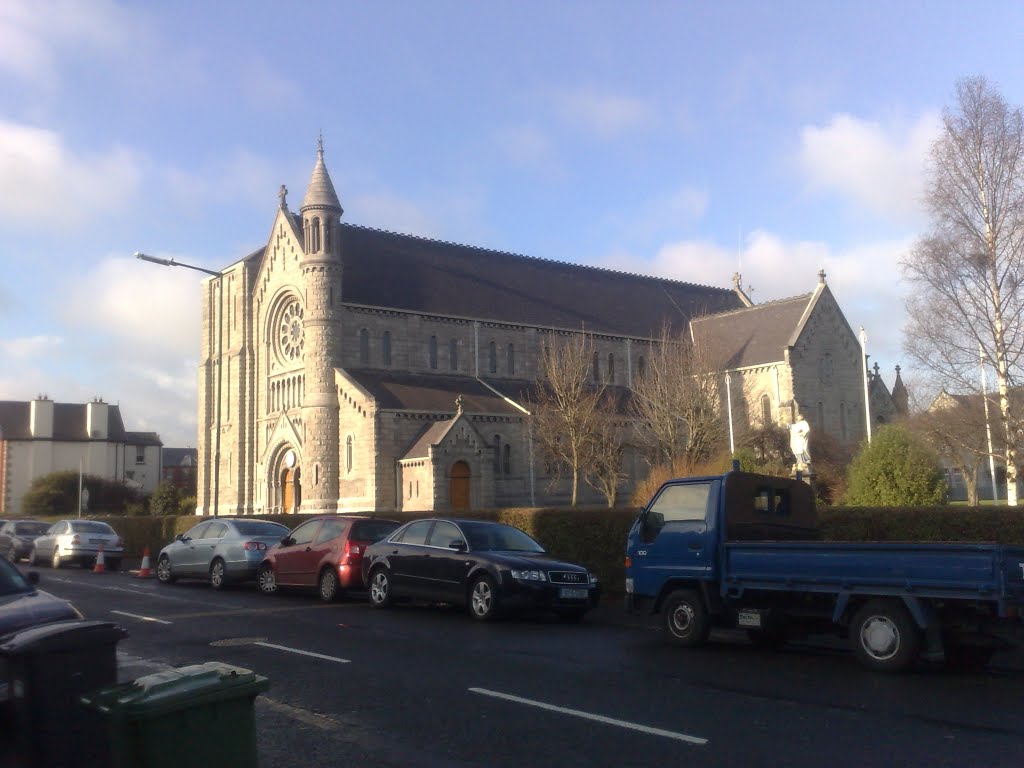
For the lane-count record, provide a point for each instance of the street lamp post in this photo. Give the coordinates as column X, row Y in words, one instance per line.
column 220, row 353
column 867, row 395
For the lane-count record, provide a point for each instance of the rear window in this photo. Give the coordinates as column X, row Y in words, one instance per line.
column 31, row 529
column 260, row 528
column 371, row 530
column 90, row 526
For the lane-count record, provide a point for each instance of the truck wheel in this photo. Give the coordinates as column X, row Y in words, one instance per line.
column 686, row 619
column 885, row 637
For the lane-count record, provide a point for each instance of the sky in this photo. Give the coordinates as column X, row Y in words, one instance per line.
column 678, row 139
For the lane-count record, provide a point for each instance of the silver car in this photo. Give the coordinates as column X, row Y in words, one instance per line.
column 223, row 550
column 77, row 541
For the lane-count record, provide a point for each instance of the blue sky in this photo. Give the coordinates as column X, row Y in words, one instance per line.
column 675, row 139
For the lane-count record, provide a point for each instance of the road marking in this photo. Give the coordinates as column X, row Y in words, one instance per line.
column 302, row 715
column 143, row 618
column 303, row 653
column 589, row 716
column 249, row 611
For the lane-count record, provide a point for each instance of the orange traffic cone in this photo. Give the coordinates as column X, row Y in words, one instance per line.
column 101, row 565
column 143, row 572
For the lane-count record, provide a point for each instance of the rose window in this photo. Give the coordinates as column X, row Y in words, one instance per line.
column 289, row 332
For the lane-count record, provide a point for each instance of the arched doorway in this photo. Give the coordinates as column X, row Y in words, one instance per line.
column 290, row 478
column 458, row 487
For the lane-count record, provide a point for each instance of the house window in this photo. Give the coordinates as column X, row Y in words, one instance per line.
column 492, row 357
column 433, row 352
column 497, row 453
column 348, row 453
column 597, row 367
column 140, row 454
column 510, row 359
column 453, row 354
column 611, row 368
column 507, row 456
column 364, row 346
column 766, row 411
column 385, row 348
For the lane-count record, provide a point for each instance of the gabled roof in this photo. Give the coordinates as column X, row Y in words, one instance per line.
column 401, row 391
column 176, row 457
column 431, row 435
column 142, row 438
column 69, row 422
column 755, row 335
column 385, row 269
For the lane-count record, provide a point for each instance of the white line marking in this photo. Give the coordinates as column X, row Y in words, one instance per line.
column 143, row 618
column 589, row 716
column 303, row 653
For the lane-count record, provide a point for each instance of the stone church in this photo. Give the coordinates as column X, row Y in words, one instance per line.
column 348, row 369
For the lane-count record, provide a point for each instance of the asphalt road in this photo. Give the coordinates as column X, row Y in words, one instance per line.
column 428, row 686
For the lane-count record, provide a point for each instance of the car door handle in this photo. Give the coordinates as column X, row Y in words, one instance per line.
column 394, row 552
column 696, row 545
column 309, row 549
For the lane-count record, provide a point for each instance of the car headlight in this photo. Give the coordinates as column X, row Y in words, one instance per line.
column 529, row 575
column 593, row 578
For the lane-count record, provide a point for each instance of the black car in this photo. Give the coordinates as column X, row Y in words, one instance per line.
column 23, row 606
column 485, row 566
column 16, row 537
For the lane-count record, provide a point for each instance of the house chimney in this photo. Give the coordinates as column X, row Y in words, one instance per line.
column 96, row 419
column 41, row 417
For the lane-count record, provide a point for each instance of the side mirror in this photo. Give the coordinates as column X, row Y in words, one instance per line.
column 180, row 537
column 656, row 520
column 287, row 541
column 458, row 545
column 33, row 577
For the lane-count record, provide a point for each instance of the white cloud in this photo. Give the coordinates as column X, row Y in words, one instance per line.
column 29, row 347
column 606, row 115
column 876, row 166
column 42, row 180
column 238, row 175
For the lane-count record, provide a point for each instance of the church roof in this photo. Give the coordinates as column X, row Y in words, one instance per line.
column 320, row 192
column 398, row 390
column 753, row 335
column 386, row 269
column 431, row 435
column 69, row 422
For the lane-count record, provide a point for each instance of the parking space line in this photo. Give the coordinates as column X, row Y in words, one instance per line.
column 303, row 653
column 141, row 617
column 298, row 713
column 589, row 716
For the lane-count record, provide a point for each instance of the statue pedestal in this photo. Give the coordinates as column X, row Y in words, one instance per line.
column 807, row 475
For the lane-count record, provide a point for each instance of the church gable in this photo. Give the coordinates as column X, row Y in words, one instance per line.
column 283, row 433
column 279, row 260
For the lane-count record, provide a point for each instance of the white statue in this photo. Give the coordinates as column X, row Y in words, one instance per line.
column 799, row 437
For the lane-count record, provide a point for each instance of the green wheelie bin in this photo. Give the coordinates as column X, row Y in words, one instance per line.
column 197, row 715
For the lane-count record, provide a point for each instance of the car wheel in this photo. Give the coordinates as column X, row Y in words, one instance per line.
column 33, row 559
column 163, row 570
column 571, row 615
column 380, row 588
column 55, row 560
column 329, row 588
column 686, row 619
column 885, row 637
column 218, row 575
column 267, row 580
column 483, row 599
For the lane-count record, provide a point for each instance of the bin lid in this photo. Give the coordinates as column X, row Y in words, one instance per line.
column 61, row 636
column 177, row 689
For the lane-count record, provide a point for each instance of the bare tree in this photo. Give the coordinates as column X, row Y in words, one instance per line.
column 967, row 272
column 567, row 412
column 955, row 428
column 607, row 445
column 677, row 401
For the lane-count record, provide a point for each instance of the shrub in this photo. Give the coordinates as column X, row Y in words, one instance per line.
column 57, row 494
column 164, row 500
column 895, row 469
column 187, row 505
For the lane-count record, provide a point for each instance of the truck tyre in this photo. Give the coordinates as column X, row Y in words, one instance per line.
column 885, row 637
column 686, row 618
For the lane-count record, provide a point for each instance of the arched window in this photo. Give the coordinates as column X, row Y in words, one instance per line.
column 433, row 352
column 385, row 348
column 510, row 359
column 497, row 453
column 348, row 453
column 314, row 233
column 842, row 419
column 821, row 415
column 507, row 458
column 611, row 368
column 492, row 357
column 640, row 367
column 364, row 346
column 453, row 354
column 766, row 410
column 596, row 372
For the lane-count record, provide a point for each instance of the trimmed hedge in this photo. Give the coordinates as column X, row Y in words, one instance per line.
column 596, row 537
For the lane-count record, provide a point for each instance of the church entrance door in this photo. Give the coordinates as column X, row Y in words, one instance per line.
column 458, row 487
column 290, row 493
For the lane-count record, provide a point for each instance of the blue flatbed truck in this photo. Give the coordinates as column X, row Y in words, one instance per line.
column 742, row 550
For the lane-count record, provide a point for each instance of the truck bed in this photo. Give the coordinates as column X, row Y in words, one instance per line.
column 984, row 571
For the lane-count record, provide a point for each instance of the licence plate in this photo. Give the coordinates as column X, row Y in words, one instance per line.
column 565, row 593
column 749, row 619
column 98, row 541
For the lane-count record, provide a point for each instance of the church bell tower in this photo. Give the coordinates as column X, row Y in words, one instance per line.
column 321, row 274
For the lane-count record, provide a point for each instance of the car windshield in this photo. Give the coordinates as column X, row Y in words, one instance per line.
column 371, row 530
column 260, row 528
column 494, row 536
column 31, row 529
column 90, row 526
column 11, row 580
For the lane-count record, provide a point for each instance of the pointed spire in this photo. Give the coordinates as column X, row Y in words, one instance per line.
column 900, row 395
column 320, row 192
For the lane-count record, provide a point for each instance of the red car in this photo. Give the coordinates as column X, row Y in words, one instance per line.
column 324, row 553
